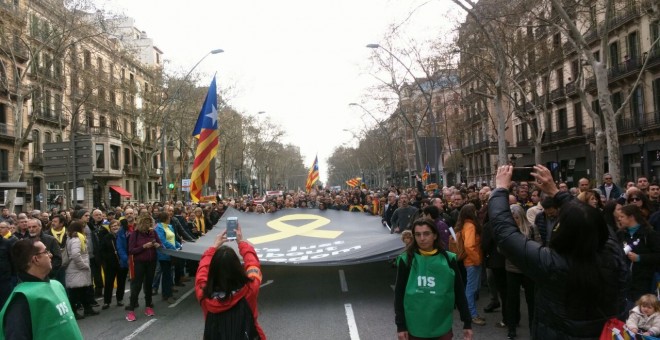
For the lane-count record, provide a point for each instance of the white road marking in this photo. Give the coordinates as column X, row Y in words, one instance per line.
column 140, row 329
column 352, row 326
column 342, row 281
column 182, row 298
column 266, row 283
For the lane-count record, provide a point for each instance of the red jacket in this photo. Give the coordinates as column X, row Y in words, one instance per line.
column 250, row 291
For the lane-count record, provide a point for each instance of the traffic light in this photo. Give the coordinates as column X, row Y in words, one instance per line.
column 171, row 186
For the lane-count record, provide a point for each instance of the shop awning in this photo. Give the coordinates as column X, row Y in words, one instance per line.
column 120, row 191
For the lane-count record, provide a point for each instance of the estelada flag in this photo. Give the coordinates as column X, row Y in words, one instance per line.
column 206, row 133
column 427, row 171
column 313, row 175
column 353, row 182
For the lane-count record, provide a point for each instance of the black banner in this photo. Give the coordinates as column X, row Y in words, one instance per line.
column 307, row 237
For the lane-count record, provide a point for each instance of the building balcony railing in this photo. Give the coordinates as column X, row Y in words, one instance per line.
column 557, row 94
column 627, row 125
column 619, row 20
column 632, row 65
column 49, row 117
column 570, row 88
column 564, row 134
column 6, row 131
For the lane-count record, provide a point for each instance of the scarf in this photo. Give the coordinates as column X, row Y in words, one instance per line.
column 83, row 242
column 428, row 253
column 201, row 225
column 7, row 235
column 59, row 235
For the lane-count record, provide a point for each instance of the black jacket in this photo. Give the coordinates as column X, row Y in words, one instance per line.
column 549, row 271
column 645, row 243
column 108, row 250
column 492, row 257
column 6, row 267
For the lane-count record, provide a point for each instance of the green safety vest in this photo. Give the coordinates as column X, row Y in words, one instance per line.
column 50, row 311
column 429, row 297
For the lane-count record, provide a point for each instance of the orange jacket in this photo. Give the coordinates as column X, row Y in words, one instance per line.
column 472, row 243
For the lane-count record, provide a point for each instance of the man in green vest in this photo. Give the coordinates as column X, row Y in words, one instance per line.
column 38, row 308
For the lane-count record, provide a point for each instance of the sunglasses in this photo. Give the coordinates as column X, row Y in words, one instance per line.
column 634, row 199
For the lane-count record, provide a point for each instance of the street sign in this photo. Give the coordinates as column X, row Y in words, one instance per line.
column 185, row 184
column 59, row 156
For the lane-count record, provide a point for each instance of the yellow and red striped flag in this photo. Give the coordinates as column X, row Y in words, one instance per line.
column 353, row 182
column 313, row 175
column 206, row 133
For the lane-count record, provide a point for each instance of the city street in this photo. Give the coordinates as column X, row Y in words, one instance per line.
column 354, row 302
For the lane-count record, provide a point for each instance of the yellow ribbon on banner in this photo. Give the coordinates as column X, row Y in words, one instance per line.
column 286, row 230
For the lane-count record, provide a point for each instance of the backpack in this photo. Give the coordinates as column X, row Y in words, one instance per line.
column 457, row 246
column 236, row 323
column 65, row 255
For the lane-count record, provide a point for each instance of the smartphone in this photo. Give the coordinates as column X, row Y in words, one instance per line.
column 522, row 174
column 232, row 225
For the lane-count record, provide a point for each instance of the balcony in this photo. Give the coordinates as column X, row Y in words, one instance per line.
column 557, row 94
column 104, row 131
column 50, row 118
column 623, row 18
column 564, row 134
column 7, row 133
column 654, row 57
column 630, row 125
column 570, row 89
column 624, row 69
column 37, row 162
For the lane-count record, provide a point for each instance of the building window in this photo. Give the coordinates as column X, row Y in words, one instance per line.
column 633, row 45
column 48, row 137
column 128, row 185
column 103, row 122
column 562, row 119
column 4, row 165
column 100, row 156
column 127, row 156
column 114, row 157
column 614, row 54
column 89, row 118
column 87, row 59
column 58, row 105
column 637, row 105
column 656, row 96
column 149, row 189
column 617, row 100
column 36, row 143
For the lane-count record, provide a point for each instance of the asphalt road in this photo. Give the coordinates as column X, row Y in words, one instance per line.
column 352, row 302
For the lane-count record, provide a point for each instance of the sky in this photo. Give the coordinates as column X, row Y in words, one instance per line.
column 300, row 61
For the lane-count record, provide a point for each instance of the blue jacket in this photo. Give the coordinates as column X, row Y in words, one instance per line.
column 167, row 245
column 122, row 246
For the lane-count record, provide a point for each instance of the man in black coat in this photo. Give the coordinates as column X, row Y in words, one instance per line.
column 389, row 209
column 36, row 233
column 6, row 269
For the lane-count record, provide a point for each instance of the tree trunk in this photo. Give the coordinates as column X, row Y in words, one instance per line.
column 501, row 127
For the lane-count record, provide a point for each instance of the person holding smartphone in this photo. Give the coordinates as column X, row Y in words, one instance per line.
column 227, row 290
column 142, row 244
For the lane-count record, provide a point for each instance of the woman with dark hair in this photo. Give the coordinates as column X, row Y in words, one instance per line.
column 428, row 287
column 640, row 199
column 167, row 236
column 609, row 214
column 227, row 290
column 78, row 274
column 580, row 277
column 468, row 231
column 641, row 245
column 433, row 213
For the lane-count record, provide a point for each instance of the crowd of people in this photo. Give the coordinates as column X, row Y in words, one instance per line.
column 477, row 229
